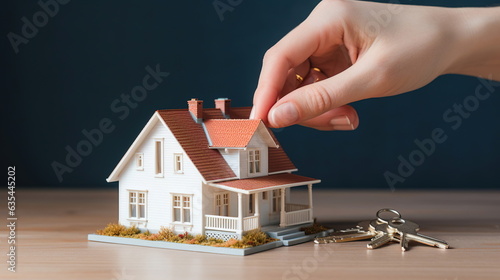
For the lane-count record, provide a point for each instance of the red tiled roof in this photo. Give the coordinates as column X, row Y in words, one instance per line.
column 278, row 159
column 212, row 113
column 240, row 112
column 231, row 133
column 193, row 140
column 259, row 183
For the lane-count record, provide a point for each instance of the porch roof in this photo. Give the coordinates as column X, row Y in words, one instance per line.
column 265, row 183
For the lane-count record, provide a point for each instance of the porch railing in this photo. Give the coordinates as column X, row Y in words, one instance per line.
column 221, row 223
column 230, row 223
column 250, row 222
column 298, row 217
column 290, row 207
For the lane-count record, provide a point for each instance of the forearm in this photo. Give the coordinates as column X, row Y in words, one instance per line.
column 477, row 52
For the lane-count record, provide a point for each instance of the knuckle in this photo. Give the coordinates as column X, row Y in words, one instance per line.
column 270, row 54
column 317, row 99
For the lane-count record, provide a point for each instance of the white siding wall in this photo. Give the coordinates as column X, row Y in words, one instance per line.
column 159, row 204
column 232, row 158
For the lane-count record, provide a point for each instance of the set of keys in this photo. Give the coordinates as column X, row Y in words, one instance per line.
column 382, row 231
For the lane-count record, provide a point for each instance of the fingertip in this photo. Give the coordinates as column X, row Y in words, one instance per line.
column 285, row 114
column 252, row 113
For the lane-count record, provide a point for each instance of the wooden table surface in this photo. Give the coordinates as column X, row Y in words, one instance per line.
column 53, row 226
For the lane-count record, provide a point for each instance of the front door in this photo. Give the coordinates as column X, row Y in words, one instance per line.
column 222, row 204
column 275, row 212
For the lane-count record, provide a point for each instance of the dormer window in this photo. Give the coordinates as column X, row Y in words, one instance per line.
column 253, row 161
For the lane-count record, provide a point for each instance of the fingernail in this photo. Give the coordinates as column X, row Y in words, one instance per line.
column 340, row 120
column 252, row 113
column 284, row 115
column 343, row 127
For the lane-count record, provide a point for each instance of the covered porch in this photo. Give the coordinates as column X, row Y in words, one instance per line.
column 278, row 186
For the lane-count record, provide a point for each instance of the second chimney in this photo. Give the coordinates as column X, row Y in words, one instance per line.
column 224, row 105
column 196, row 108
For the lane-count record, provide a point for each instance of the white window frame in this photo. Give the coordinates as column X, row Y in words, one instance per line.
column 139, row 161
column 158, row 157
column 182, row 207
column 134, row 199
column 178, row 163
column 221, row 204
column 254, row 161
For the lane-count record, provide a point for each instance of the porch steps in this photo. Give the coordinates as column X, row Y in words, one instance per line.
column 288, row 235
column 293, row 235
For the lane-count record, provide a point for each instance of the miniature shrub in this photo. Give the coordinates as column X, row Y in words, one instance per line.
column 130, row 231
column 185, row 235
column 152, row 237
column 190, row 241
column 214, row 240
column 118, row 230
column 256, row 237
column 231, row 243
column 313, row 229
column 166, row 233
column 200, row 238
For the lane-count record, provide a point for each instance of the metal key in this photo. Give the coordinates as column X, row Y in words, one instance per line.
column 383, row 235
column 360, row 232
column 408, row 232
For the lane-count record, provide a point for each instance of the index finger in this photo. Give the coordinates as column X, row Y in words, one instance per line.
column 292, row 50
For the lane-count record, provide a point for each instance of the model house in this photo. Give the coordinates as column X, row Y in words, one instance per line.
column 208, row 170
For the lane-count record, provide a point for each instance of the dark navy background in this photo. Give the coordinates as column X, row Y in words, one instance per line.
column 66, row 77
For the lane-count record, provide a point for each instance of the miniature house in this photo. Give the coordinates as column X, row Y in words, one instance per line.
column 209, row 171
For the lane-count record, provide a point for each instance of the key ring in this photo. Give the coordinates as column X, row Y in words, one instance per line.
column 387, row 210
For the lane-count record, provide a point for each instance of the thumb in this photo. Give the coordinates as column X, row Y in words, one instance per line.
column 355, row 83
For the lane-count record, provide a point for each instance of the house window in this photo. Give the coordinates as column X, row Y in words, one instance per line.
column 264, row 195
column 182, row 208
column 222, row 204
column 251, row 203
column 159, row 158
column 178, row 166
column 276, row 200
column 253, row 161
column 137, row 205
column 139, row 161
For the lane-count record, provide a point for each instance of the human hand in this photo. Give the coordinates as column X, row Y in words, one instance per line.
column 363, row 50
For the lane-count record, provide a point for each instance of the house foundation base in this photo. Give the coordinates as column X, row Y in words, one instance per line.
column 184, row 247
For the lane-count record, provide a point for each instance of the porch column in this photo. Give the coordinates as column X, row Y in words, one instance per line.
column 240, row 214
column 256, row 211
column 309, row 190
column 283, row 213
column 256, row 198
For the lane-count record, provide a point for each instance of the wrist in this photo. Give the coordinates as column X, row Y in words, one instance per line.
column 476, row 51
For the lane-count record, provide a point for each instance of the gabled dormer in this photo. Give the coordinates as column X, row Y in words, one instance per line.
column 243, row 143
